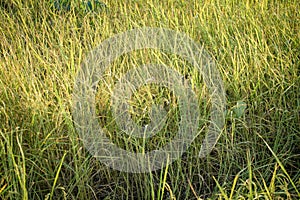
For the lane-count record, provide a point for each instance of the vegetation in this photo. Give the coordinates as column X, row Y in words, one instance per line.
column 256, row 45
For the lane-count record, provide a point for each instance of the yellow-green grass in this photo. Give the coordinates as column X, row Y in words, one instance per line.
column 256, row 45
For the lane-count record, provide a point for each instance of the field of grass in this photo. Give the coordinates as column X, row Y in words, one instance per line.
column 256, row 46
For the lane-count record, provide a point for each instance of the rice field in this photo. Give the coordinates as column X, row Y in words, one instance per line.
column 256, row 49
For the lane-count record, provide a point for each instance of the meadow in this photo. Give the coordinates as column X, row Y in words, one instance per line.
column 256, row 47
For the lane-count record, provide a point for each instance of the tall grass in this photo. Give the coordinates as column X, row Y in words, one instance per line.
column 256, row 47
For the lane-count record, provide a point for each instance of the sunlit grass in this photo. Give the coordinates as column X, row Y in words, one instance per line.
column 256, row 48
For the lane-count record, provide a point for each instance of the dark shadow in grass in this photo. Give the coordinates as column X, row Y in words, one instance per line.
column 86, row 6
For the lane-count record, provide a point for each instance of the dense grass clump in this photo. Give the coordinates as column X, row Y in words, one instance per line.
column 256, row 46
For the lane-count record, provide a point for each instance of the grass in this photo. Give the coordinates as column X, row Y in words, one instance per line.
column 256, row 48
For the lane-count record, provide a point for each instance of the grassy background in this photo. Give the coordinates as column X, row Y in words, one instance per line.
column 257, row 49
